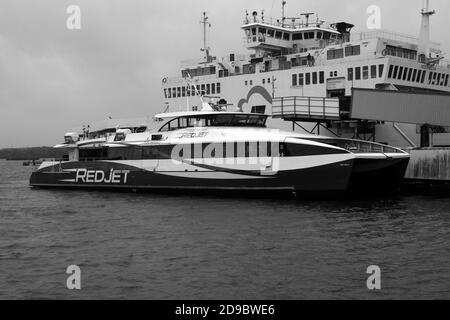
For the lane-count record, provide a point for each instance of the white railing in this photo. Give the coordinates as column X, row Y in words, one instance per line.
column 287, row 24
column 389, row 35
column 305, row 107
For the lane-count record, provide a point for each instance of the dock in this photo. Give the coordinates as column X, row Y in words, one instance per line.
column 429, row 165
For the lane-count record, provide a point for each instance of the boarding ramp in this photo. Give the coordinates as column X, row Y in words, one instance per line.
column 401, row 106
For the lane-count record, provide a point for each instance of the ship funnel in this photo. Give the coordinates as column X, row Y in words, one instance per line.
column 424, row 37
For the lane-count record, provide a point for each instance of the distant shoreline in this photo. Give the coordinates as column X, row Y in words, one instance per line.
column 32, row 153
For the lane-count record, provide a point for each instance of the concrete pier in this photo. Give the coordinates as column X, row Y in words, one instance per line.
column 429, row 164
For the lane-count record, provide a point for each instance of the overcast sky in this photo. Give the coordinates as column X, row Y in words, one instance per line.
column 53, row 79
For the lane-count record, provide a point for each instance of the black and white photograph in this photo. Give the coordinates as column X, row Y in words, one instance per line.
column 195, row 151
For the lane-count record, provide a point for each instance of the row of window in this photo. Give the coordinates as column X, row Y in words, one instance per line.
column 250, row 82
column 219, row 120
column 365, row 72
column 308, row 78
column 204, row 150
column 198, row 72
column 191, row 91
column 419, row 76
column 339, row 53
column 400, row 52
column 271, row 33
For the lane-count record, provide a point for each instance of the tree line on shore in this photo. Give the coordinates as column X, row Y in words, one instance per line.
column 34, row 153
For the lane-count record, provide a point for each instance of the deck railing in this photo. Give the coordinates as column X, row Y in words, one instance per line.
column 305, row 108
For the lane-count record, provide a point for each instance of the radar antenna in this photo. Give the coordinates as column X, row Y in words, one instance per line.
column 307, row 15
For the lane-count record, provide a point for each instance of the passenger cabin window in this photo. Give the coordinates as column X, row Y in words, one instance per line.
column 373, row 72
column 308, row 79
column 259, row 109
column 352, row 51
column 358, row 73
column 294, row 80
column 365, row 72
column 380, row 70
column 300, row 79
column 335, row 54
column 350, row 74
column 219, row 120
column 314, row 77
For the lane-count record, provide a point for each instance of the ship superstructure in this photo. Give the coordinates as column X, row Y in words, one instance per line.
column 306, row 57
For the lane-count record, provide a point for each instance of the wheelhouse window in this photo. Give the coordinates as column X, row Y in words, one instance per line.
column 309, row 35
column 297, row 36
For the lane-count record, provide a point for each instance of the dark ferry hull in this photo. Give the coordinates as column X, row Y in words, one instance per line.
column 111, row 175
column 378, row 176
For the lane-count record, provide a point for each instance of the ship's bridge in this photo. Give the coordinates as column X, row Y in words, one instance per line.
column 294, row 37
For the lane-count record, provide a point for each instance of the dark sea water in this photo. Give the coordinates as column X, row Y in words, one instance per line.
column 144, row 246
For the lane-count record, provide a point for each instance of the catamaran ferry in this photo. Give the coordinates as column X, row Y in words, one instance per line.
column 214, row 149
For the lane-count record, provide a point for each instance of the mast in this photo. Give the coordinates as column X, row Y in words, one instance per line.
column 206, row 24
column 283, row 16
column 424, row 38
